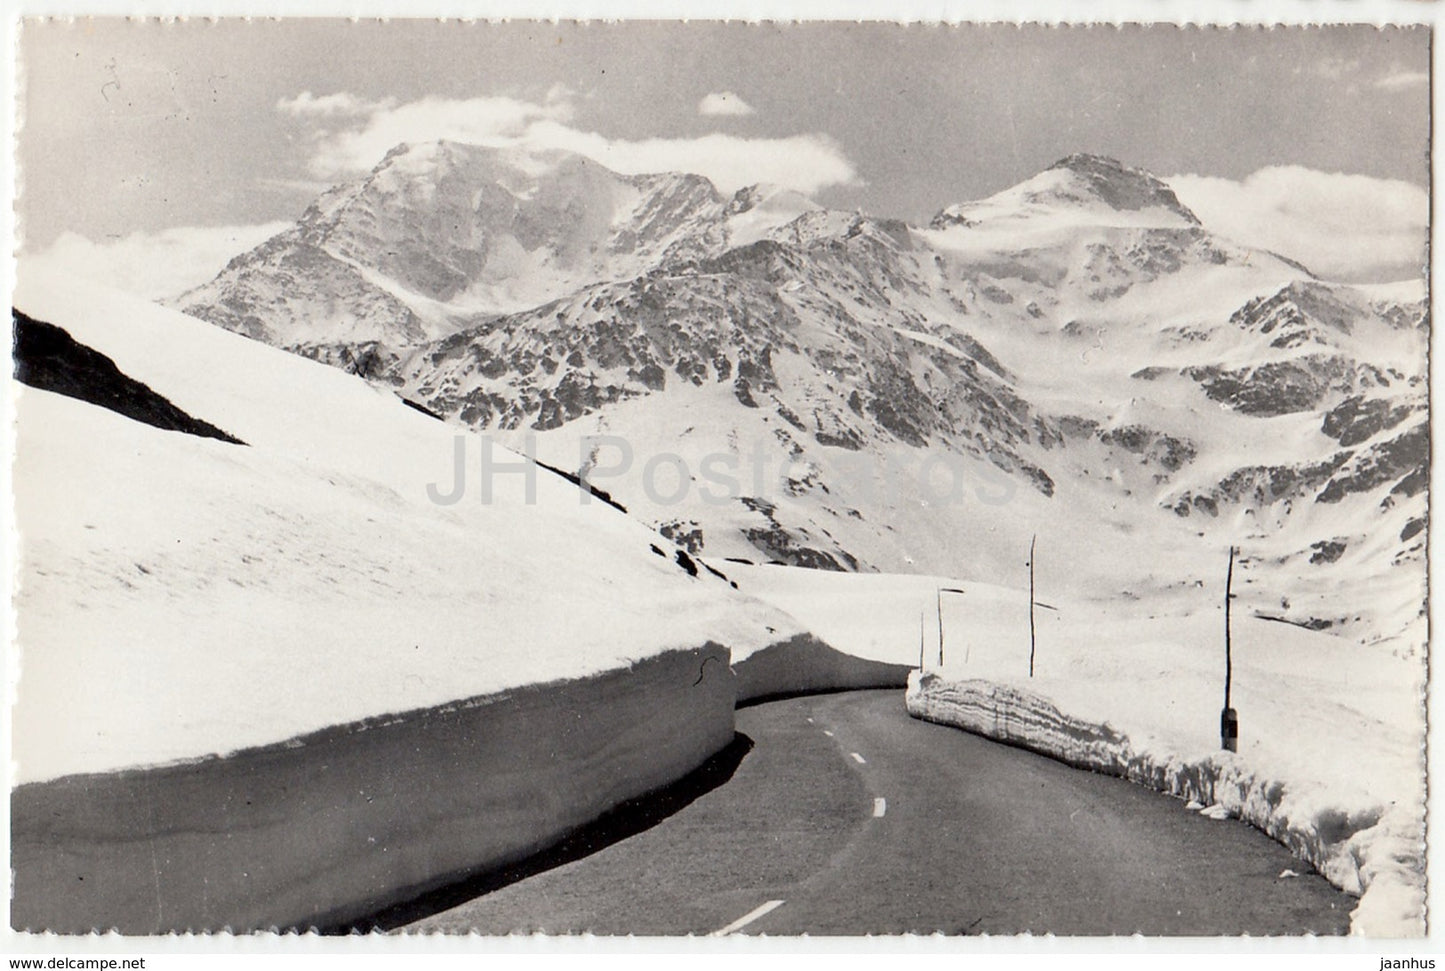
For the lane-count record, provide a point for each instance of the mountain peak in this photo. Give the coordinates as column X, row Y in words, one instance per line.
column 1079, row 188
column 1120, row 186
column 438, row 156
column 768, row 196
column 1088, row 161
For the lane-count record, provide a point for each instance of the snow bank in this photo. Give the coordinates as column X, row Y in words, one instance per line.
column 180, row 597
column 1363, row 848
column 872, row 616
column 280, row 682
column 852, row 621
column 803, row 664
column 340, row 823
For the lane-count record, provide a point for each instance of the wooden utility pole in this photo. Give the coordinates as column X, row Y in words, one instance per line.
column 1033, row 641
column 1228, row 718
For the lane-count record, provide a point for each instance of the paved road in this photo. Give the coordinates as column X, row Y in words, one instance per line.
column 860, row 819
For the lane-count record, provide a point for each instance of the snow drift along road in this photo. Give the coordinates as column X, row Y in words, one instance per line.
column 294, row 623
column 1370, row 849
column 343, row 822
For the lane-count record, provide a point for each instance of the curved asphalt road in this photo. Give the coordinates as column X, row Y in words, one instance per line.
column 970, row 837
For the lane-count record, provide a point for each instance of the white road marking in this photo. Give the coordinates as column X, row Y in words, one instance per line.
column 858, row 758
column 748, row 918
column 828, row 733
column 810, row 721
column 880, row 806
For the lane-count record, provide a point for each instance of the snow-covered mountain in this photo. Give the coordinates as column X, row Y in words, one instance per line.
column 440, row 233
column 1076, row 357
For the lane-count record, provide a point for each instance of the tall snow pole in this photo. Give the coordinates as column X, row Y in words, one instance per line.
column 1228, row 718
column 1032, row 639
column 940, row 593
column 940, row 626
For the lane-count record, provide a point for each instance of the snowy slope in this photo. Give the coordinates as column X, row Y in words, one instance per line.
column 220, row 596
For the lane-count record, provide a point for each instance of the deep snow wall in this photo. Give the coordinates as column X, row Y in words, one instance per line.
column 335, row 825
column 1376, row 852
column 803, row 664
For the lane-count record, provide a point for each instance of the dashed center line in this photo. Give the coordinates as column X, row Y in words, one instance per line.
column 858, row 758
column 747, row 918
column 880, row 806
column 828, row 733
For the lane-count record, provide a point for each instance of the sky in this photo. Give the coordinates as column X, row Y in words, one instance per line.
column 152, row 148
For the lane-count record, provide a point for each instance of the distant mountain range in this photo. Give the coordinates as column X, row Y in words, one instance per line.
column 1076, row 357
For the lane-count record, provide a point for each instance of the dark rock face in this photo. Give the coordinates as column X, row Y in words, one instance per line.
column 48, row 358
column 1413, row 528
column 945, row 219
column 1280, row 387
column 1123, row 187
column 847, row 438
column 1357, row 419
column 1153, row 447
column 899, row 406
column 371, row 360
column 1327, row 551
column 686, row 534
column 1264, row 485
column 1404, row 458
column 782, row 545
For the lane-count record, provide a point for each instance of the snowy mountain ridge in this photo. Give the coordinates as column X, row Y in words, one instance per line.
column 1078, row 350
column 438, row 232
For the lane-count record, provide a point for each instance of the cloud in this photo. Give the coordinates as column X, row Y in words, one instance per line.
column 481, row 121
column 341, row 103
column 155, row 265
column 724, row 103
column 805, row 162
column 1401, row 80
column 1334, row 68
column 559, row 94
column 1352, row 228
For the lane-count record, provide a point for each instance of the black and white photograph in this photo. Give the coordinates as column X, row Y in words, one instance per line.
column 681, row 480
